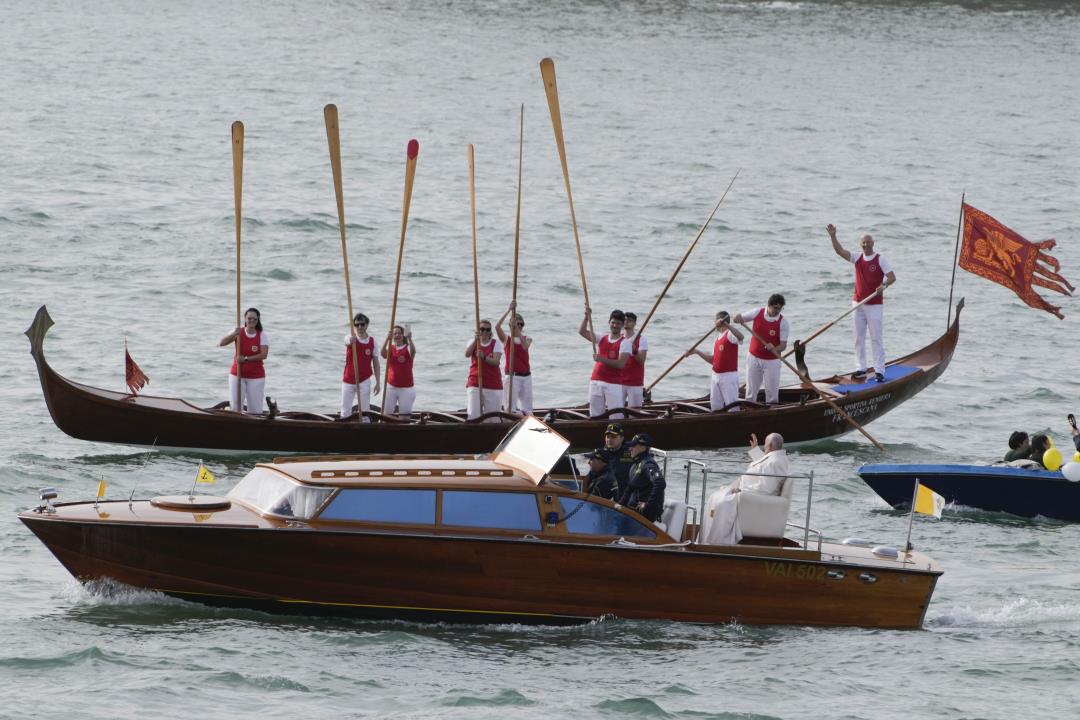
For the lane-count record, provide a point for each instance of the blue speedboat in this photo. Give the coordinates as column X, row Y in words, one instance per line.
column 1018, row 491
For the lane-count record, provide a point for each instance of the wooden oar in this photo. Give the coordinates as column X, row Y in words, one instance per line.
column 686, row 255
column 475, row 277
column 333, row 139
column 547, row 71
column 828, row 325
column 238, row 194
column 411, row 153
column 682, row 357
column 809, row 383
column 517, row 245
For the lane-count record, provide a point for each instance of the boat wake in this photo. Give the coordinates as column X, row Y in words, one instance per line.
column 108, row 592
column 1016, row 613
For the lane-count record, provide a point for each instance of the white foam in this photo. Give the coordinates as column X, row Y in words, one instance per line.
column 1018, row 612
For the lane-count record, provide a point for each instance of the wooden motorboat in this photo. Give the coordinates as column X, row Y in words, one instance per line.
column 997, row 488
column 463, row 539
column 90, row 413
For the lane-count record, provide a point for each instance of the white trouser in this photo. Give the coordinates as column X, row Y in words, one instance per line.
column 760, row 371
column 348, row 394
column 723, row 389
column 605, row 396
column 633, row 395
column 251, row 394
column 869, row 316
column 522, row 394
column 399, row 400
column 492, row 402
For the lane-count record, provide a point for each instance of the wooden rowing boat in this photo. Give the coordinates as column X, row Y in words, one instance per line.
column 90, row 413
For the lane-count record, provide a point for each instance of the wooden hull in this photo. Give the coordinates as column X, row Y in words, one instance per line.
column 469, row 579
column 1018, row 491
column 90, row 413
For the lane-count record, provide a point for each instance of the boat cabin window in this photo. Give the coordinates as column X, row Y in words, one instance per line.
column 496, row 510
column 596, row 519
column 271, row 492
column 416, row 507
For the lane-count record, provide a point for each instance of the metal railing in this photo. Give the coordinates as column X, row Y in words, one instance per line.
column 706, row 471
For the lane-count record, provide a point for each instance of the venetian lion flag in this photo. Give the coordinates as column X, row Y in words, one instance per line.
column 997, row 253
column 133, row 374
column 928, row 502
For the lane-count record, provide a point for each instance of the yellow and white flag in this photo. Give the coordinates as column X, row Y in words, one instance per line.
column 927, row 501
column 101, row 489
column 204, row 477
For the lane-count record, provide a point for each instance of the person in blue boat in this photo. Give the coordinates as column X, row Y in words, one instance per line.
column 645, row 491
column 1039, row 445
column 1075, row 432
column 1019, row 446
column 601, row 477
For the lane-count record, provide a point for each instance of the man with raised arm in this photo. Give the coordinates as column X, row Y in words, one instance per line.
column 765, row 475
column 724, row 386
column 873, row 273
column 770, row 334
column 605, row 385
column 518, row 377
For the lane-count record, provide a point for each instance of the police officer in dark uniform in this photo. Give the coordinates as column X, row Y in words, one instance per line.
column 645, row 491
column 618, row 454
column 601, row 477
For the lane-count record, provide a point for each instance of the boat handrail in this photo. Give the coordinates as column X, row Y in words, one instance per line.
column 706, row 470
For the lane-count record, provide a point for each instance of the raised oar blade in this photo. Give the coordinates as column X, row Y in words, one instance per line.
column 547, row 72
column 238, row 193
column 800, row 358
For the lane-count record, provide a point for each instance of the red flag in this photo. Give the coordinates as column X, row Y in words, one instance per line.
column 133, row 374
column 997, row 253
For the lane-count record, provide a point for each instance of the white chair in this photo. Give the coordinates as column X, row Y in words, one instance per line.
column 765, row 516
column 673, row 519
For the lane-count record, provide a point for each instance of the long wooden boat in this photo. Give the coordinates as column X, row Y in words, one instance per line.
column 90, row 413
column 465, row 539
column 996, row 488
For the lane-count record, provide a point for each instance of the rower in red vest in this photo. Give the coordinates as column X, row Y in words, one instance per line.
column 605, row 385
column 724, row 358
column 634, row 371
column 520, row 377
column 254, row 347
column 763, row 360
column 873, row 273
column 400, row 389
column 362, row 380
column 488, row 350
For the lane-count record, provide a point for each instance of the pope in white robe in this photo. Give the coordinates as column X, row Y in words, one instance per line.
column 721, row 526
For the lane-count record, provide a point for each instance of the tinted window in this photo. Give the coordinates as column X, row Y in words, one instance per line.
column 594, row 519
column 377, row 505
column 501, row 510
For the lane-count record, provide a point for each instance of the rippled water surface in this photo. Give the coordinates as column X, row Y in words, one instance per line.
column 116, row 211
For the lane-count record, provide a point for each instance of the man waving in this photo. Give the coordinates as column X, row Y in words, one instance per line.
column 873, row 273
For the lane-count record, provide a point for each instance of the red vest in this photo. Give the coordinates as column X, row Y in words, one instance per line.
column 401, row 362
column 521, row 359
column 609, row 349
column 868, row 277
column 364, row 349
column 767, row 330
column 633, row 372
column 492, row 377
column 250, row 346
column 725, row 354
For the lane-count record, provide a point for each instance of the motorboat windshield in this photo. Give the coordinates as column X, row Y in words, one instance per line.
column 531, row 448
column 269, row 492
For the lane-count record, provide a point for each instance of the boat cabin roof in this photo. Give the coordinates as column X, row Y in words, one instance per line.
column 428, row 470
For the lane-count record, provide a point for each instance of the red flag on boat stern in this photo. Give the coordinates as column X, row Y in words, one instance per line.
column 997, row 253
column 133, row 374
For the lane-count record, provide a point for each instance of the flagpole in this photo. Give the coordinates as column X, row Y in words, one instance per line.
column 956, row 253
column 911, row 517
column 191, row 494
